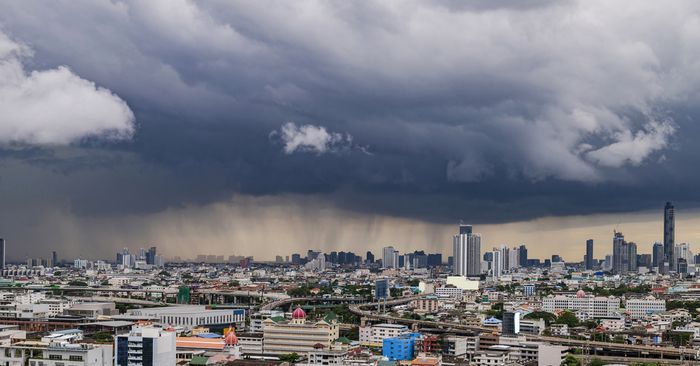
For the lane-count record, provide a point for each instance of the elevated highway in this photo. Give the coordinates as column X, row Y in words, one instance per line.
column 642, row 351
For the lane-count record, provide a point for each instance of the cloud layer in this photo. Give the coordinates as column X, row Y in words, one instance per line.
column 477, row 111
column 55, row 106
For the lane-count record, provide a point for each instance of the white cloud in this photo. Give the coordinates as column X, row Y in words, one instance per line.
column 310, row 138
column 629, row 148
column 56, row 106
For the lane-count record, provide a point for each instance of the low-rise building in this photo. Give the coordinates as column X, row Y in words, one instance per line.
column 374, row 335
column 639, row 308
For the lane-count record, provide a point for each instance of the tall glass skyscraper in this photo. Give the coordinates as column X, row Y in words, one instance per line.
column 669, row 234
column 589, row 254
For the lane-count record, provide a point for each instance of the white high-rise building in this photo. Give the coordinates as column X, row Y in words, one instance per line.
column 496, row 265
column 505, row 257
column 145, row 344
column 682, row 251
column 466, row 248
column 513, row 258
column 390, row 257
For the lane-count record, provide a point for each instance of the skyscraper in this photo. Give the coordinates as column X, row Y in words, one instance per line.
column 370, row 257
column 390, row 257
column 657, row 256
column 54, row 258
column 589, row 254
column 523, row 255
column 466, row 247
column 669, row 234
column 632, row 257
column 2, row 253
column 496, row 264
column 151, row 255
column 620, row 254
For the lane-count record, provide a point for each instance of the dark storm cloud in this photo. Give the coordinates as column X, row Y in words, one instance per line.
column 481, row 112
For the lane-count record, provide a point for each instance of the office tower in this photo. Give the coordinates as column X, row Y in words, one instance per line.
column 556, row 258
column 466, row 248
column 632, row 257
column 523, row 255
column 390, row 257
column 145, row 346
column 54, row 258
column 496, row 264
column 620, row 254
column 669, row 234
column 296, row 258
column 381, row 288
column 682, row 265
column 2, row 253
column 369, row 257
column 657, row 253
column 142, row 255
column 151, row 256
column 589, row 254
column 333, row 257
column 401, row 262
column 488, row 256
column 286, row 259
column 342, row 257
column 450, row 260
column 511, row 323
column 279, row 259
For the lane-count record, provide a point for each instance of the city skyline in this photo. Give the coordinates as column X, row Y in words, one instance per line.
column 563, row 235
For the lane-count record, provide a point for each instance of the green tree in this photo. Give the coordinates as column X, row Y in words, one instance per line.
column 596, row 362
column 289, row 357
column 567, row 318
column 570, row 360
column 548, row 317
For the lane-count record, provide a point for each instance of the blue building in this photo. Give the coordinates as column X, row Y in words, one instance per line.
column 400, row 348
column 381, row 288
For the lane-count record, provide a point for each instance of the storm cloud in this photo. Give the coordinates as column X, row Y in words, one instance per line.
column 426, row 111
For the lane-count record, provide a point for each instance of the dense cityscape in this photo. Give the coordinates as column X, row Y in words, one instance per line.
column 478, row 307
column 349, row 183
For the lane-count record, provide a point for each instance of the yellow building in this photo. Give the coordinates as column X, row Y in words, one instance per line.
column 297, row 335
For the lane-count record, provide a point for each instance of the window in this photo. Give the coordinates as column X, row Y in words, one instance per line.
column 55, row 357
column 75, row 358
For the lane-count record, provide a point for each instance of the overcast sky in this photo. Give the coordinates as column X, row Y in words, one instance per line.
column 266, row 127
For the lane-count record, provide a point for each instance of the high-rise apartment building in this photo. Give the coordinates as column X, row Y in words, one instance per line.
column 390, row 257
column 145, row 346
column 496, row 264
column 589, row 254
column 466, row 247
column 669, row 234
